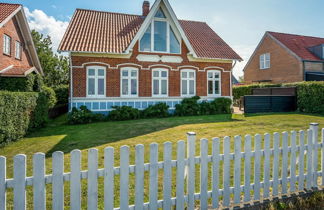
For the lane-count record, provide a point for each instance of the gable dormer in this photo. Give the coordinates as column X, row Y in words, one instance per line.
column 161, row 35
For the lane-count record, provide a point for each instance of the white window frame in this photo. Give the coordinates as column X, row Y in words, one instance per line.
column 214, row 79
column 160, row 78
column 188, row 81
column 17, row 50
column 264, row 62
column 6, row 44
column 167, row 20
column 96, row 77
column 129, row 78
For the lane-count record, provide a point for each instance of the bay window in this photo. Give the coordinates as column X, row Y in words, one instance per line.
column 96, row 81
column 213, row 83
column 160, row 82
column 188, row 83
column 129, row 82
column 160, row 36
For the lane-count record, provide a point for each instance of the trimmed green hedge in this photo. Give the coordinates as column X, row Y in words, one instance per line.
column 20, row 112
column 310, row 95
column 62, row 94
column 32, row 82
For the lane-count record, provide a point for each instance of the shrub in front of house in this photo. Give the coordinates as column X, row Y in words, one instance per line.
column 124, row 113
column 188, row 107
column 83, row 116
column 21, row 112
column 157, row 110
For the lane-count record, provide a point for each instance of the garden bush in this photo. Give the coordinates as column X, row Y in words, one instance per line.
column 83, row 116
column 188, row 107
column 62, row 94
column 123, row 113
column 50, row 95
column 157, row 110
column 21, row 112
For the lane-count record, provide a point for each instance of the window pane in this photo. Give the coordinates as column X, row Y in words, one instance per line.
column 155, row 87
column 160, row 14
column 164, row 74
column 134, row 87
column 91, row 72
column 216, row 75
column 174, row 43
column 184, row 87
column 216, row 87
column 184, row 74
column 101, row 72
column 91, row 86
column 191, row 75
column 160, row 35
column 210, row 75
column 163, row 87
column 125, row 86
column 101, row 87
column 267, row 56
column 191, row 87
column 125, row 73
column 155, row 73
column 210, row 87
column 146, row 40
column 134, row 73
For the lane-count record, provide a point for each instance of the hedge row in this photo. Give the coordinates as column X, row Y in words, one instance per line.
column 30, row 83
column 310, row 95
column 21, row 112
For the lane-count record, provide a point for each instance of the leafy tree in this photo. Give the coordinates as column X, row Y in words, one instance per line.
column 55, row 67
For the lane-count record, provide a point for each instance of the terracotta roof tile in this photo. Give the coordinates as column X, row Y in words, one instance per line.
column 106, row 32
column 6, row 10
column 299, row 44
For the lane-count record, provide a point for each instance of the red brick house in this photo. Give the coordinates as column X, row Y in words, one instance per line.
column 18, row 57
column 282, row 58
column 139, row 60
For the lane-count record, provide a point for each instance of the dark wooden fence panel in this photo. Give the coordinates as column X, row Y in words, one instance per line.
column 259, row 104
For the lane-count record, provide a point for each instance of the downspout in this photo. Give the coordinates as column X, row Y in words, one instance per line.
column 71, row 82
column 231, row 88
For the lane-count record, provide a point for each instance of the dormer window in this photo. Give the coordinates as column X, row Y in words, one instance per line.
column 160, row 36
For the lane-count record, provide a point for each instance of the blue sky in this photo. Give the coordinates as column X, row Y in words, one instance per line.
column 241, row 23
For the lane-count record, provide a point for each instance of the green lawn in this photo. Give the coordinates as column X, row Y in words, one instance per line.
column 58, row 136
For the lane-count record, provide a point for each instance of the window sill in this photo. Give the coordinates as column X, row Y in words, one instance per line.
column 7, row 54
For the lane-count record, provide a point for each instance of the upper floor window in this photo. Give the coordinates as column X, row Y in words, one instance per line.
column 129, row 81
column 214, row 83
column 96, row 81
column 265, row 61
column 188, row 82
column 160, row 82
column 18, row 50
column 6, row 44
column 160, row 36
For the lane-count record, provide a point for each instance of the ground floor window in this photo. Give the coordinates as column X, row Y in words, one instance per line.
column 160, row 82
column 214, row 83
column 188, row 82
column 129, row 82
column 96, row 81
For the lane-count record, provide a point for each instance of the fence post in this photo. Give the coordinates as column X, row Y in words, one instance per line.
column 314, row 128
column 39, row 181
column 180, row 202
column 309, row 159
column 191, row 150
column 203, row 174
column 20, row 182
column 2, row 183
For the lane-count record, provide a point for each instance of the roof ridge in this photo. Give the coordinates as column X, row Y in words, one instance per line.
column 10, row 3
column 118, row 13
column 295, row 34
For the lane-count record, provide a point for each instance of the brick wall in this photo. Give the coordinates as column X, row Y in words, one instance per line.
column 145, row 75
column 284, row 67
column 11, row 29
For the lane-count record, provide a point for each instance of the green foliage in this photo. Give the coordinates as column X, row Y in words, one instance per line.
column 62, row 94
column 56, row 68
column 20, row 112
column 123, row 113
column 83, row 116
column 157, row 110
column 32, row 82
column 188, row 107
column 310, row 95
column 50, row 96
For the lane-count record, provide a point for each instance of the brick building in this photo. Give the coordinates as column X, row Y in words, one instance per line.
column 18, row 57
column 139, row 60
column 282, row 58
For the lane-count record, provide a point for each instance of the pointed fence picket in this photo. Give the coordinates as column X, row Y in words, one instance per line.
column 296, row 150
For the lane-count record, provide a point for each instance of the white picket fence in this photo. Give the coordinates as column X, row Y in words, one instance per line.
column 186, row 164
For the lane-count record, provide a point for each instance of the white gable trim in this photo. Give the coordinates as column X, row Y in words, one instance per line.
column 149, row 19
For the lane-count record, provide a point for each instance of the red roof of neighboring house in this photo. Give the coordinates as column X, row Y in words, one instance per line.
column 17, row 71
column 6, row 10
column 107, row 32
column 299, row 44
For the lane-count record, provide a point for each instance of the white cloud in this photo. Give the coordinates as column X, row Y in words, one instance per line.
column 46, row 25
column 245, row 51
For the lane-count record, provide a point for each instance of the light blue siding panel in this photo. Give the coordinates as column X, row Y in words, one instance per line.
column 144, row 105
column 88, row 105
column 131, row 104
column 150, row 103
column 138, row 105
column 95, row 105
column 103, row 105
column 109, row 105
column 124, row 103
column 169, row 103
column 117, row 104
column 74, row 105
column 80, row 104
